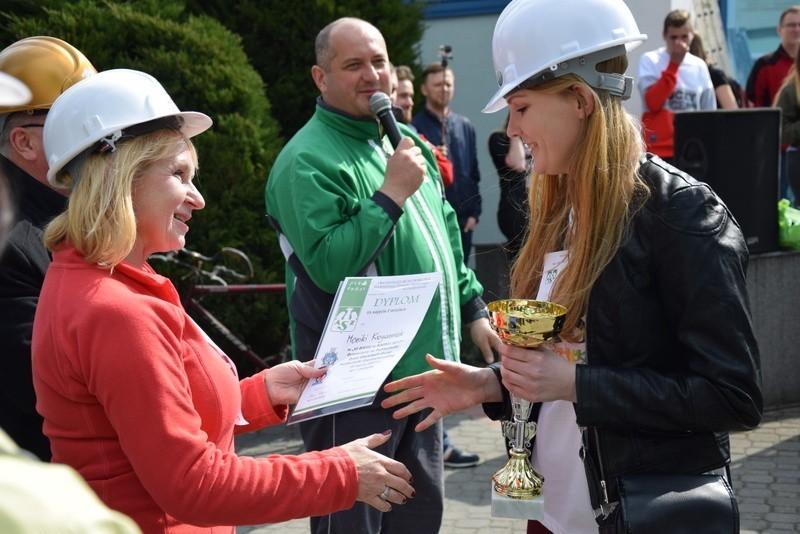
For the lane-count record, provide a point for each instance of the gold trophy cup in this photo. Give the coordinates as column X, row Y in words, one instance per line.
column 527, row 324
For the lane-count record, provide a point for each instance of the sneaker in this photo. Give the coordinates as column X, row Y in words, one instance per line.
column 457, row 458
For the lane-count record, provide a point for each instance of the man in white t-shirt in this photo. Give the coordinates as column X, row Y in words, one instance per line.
column 672, row 80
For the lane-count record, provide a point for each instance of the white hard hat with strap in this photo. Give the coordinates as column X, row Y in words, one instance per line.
column 538, row 40
column 107, row 108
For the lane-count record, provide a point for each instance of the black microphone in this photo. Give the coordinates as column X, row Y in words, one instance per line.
column 381, row 106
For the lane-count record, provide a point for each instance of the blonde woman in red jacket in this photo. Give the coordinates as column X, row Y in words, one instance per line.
column 134, row 395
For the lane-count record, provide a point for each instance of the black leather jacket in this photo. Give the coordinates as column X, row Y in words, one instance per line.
column 673, row 363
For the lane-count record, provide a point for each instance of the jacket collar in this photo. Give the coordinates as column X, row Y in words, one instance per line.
column 361, row 128
column 34, row 201
column 433, row 117
column 67, row 255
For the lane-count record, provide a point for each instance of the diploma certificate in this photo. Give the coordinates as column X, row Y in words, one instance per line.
column 370, row 326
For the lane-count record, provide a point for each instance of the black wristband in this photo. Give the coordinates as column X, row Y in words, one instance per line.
column 498, row 410
column 474, row 309
column 389, row 206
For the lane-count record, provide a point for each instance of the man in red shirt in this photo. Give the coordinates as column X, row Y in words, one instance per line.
column 671, row 80
column 770, row 70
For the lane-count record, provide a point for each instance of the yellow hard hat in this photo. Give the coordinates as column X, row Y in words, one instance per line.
column 48, row 66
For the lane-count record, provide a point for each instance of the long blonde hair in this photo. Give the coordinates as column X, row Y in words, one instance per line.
column 99, row 220
column 792, row 77
column 587, row 211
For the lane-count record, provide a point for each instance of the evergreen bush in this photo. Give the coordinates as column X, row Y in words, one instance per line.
column 203, row 67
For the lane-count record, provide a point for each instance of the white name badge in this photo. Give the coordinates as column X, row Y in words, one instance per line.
column 554, row 263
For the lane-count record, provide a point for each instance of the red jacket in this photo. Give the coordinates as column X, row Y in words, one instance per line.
column 144, row 408
column 767, row 76
column 444, row 164
column 657, row 121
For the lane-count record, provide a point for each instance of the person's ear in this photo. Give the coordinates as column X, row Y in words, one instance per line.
column 318, row 75
column 24, row 144
column 584, row 100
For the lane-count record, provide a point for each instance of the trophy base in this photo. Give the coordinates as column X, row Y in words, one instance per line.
column 511, row 508
column 517, row 479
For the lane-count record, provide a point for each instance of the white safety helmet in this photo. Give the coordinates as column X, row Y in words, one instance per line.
column 106, row 109
column 538, row 40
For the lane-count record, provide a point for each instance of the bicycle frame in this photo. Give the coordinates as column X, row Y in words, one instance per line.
column 207, row 267
column 205, row 289
column 192, row 303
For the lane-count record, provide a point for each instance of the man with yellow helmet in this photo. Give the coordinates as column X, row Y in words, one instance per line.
column 47, row 66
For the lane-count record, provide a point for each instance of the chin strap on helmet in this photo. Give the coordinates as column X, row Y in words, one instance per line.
column 110, row 142
column 586, row 67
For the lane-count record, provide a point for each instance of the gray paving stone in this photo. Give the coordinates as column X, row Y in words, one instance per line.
column 765, row 466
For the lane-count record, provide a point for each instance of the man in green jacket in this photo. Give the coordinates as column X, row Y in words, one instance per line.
column 346, row 204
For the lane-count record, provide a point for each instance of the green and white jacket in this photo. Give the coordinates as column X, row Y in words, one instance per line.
column 322, row 197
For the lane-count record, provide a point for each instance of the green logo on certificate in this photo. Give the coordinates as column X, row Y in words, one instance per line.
column 346, row 315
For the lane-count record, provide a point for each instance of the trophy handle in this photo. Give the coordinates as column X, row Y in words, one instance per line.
column 508, row 430
column 530, row 431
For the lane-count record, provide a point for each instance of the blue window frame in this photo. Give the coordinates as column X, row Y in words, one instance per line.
column 437, row 9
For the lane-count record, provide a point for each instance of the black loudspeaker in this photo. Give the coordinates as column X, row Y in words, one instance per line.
column 737, row 153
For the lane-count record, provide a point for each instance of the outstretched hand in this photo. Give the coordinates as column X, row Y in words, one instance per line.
column 448, row 388
column 377, row 472
column 285, row 382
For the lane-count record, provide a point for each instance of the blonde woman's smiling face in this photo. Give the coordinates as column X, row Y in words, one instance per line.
column 164, row 197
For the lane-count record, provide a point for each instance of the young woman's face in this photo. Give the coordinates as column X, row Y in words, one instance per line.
column 164, row 197
column 550, row 124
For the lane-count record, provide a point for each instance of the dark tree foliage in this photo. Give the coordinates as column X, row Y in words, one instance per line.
column 203, row 67
column 278, row 36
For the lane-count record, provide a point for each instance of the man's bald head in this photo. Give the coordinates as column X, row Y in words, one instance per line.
column 323, row 48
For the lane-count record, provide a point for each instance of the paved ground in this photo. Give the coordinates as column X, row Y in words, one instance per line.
column 766, row 474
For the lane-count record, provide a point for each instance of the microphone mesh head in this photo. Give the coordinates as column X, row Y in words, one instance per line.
column 379, row 101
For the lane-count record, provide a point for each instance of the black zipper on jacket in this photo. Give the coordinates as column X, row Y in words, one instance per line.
column 595, row 471
column 602, row 474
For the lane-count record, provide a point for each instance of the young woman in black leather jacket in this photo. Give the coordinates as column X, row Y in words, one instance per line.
column 658, row 360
